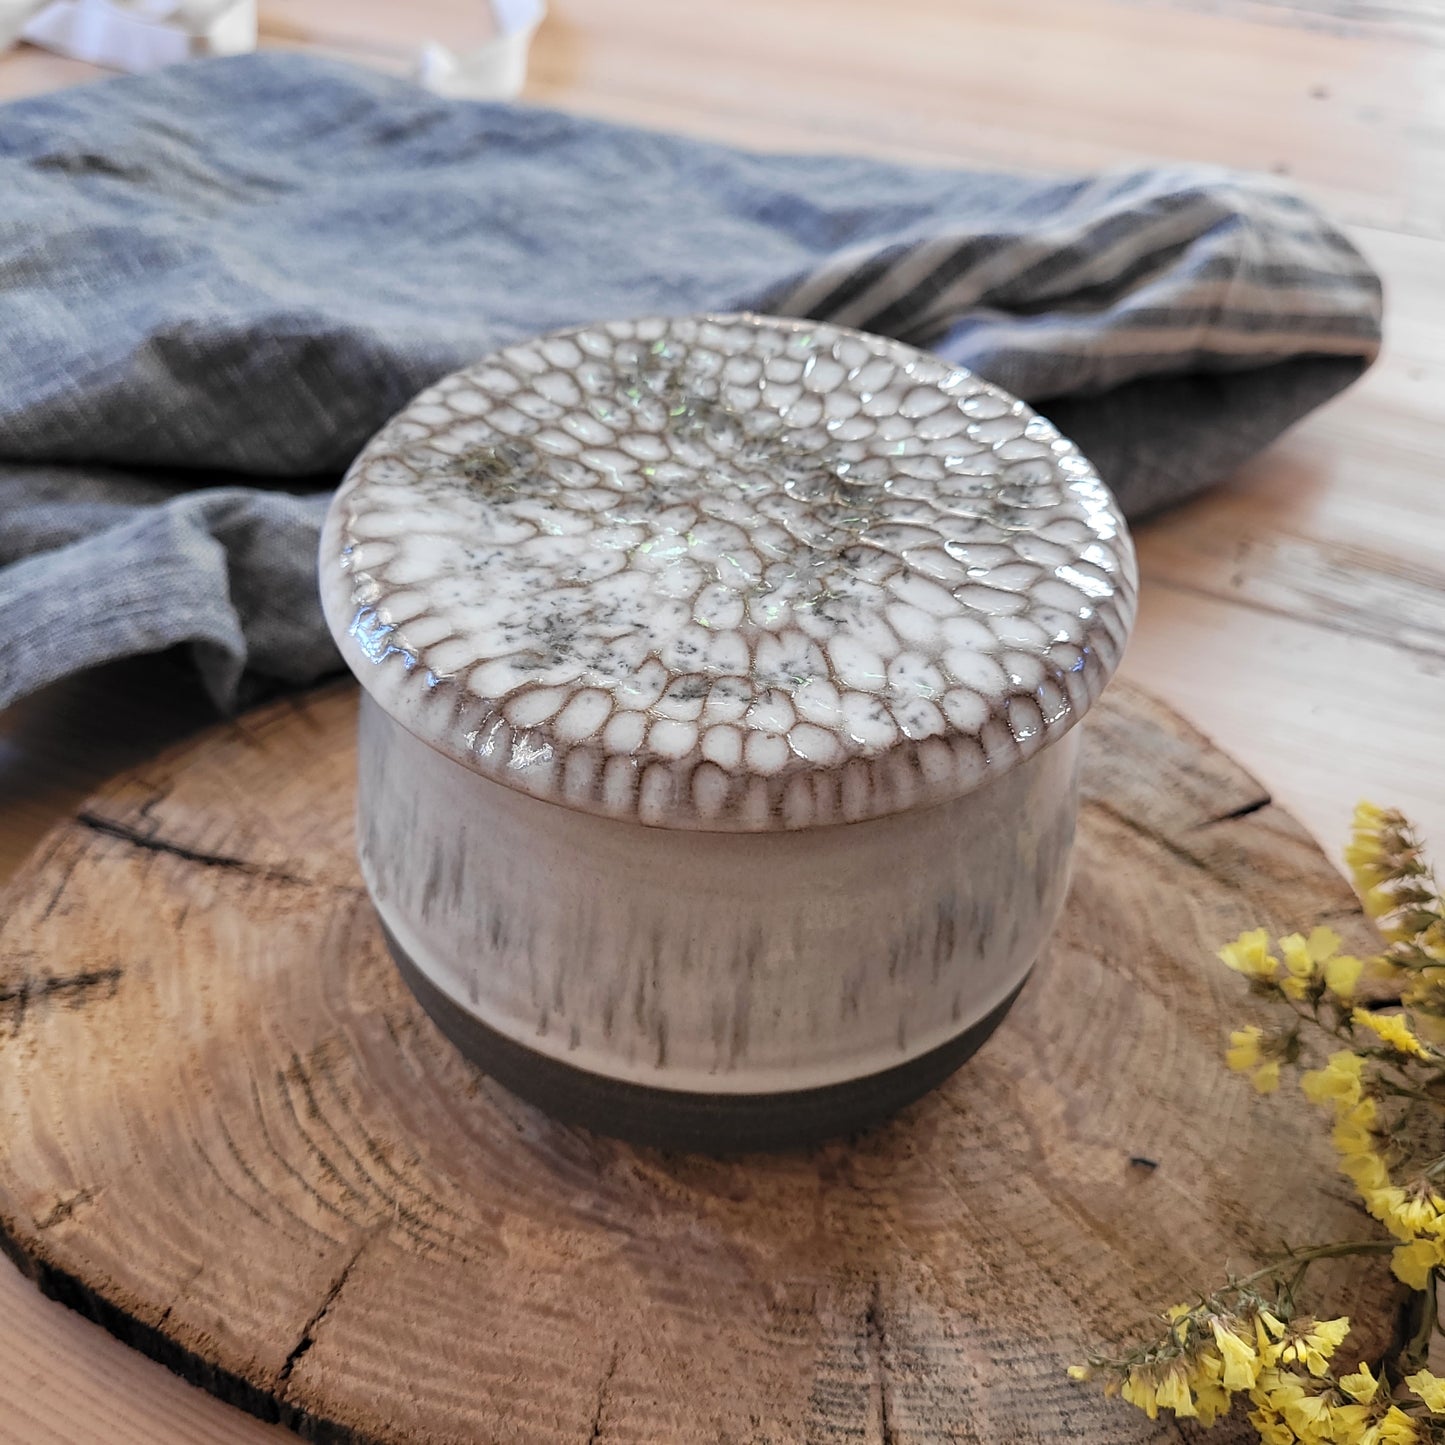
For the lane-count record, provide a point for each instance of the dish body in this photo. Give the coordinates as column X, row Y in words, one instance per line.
column 717, row 748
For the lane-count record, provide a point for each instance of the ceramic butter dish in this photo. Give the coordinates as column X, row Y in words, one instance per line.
column 717, row 748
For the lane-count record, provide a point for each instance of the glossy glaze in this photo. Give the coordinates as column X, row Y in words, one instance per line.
column 728, row 574
column 721, row 676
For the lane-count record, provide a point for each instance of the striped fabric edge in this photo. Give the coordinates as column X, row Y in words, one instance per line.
column 1140, row 272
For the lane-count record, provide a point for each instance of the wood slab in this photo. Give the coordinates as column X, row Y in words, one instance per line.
column 229, row 1135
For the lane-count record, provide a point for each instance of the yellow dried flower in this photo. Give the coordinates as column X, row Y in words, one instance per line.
column 1373, row 854
column 1394, row 883
column 1310, row 1417
column 1249, row 954
column 1311, row 1343
column 1173, row 1393
column 1349, row 1423
column 1152, row 1388
column 1430, row 1388
column 1287, row 1402
column 1384, row 970
column 1271, row 1429
column 1354, row 1131
column 1407, row 1213
column 1240, row 1359
column 1413, row 1262
column 1392, row 1029
column 1423, row 993
column 1211, row 1400
column 1361, row 1386
column 1296, row 954
column 1315, row 1409
column 1269, row 1336
column 1395, row 1428
column 1342, row 974
column 1354, row 1141
column 1141, row 1391
column 1309, row 963
column 1243, row 1053
column 1246, row 1056
column 1366, row 1170
column 1304, row 958
column 1231, row 1344
column 1339, row 1083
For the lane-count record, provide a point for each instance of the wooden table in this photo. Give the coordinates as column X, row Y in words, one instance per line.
column 1297, row 614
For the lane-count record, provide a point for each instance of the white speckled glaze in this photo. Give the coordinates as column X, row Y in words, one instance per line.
column 727, row 573
column 720, row 676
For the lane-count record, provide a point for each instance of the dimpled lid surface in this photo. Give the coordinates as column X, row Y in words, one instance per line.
column 728, row 573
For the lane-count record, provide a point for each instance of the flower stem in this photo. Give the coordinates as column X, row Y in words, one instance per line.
column 1416, row 1353
column 1297, row 1257
column 1404, row 1092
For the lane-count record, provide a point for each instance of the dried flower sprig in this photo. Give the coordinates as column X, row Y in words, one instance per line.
column 1381, row 1080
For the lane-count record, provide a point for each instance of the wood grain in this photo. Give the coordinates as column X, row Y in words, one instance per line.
column 1051, row 85
column 1416, row 19
column 274, row 1175
column 1346, row 96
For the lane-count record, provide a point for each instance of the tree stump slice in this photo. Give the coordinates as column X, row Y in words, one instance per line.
column 229, row 1134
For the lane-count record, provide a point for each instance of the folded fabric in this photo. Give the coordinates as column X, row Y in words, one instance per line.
column 217, row 281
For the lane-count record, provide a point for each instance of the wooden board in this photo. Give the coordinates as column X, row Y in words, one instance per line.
column 1342, row 95
column 228, row 1134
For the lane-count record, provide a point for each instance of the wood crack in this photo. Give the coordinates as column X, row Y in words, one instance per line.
column 64, row 1208
column 71, row 988
column 604, row 1392
column 1244, row 810
column 875, row 1344
column 309, row 1330
column 151, row 844
column 65, row 876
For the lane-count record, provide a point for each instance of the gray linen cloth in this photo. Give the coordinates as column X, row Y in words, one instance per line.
column 217, row 281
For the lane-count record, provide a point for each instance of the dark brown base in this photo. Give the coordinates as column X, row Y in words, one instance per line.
column 679, row 1119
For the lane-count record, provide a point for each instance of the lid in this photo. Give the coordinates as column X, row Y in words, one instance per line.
column 728, row 573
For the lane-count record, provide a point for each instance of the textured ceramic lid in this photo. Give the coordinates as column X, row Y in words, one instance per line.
column 729, row 573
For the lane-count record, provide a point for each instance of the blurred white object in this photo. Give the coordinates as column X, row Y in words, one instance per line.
column 139, row 35
column 13, row 15
column 494, row 71
column 131, row 35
